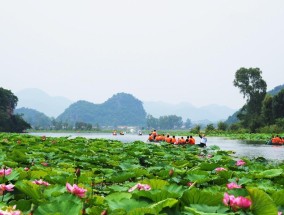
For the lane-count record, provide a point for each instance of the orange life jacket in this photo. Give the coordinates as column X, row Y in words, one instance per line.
column 191, row 141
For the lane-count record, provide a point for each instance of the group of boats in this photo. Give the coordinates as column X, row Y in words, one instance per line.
column 122, row 133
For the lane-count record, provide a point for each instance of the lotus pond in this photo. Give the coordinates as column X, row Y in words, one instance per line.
column 247, row 148
column 62, row 175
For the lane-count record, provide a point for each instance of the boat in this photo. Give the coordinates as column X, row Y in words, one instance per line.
column 269, row 142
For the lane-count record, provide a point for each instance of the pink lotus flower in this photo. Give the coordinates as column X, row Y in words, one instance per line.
column 279, row 213
column 44, row 163
column 228, row 199
column 140, row 187
column 209, row 156
column 80, row 192
column 233, row 185
column 242, row 202
column 219, row 169
column 236, row 202
column 10, row 211
column 4, row 187
column 5, row 172
column 26, row 168
column 41, row 182
column 240, row 163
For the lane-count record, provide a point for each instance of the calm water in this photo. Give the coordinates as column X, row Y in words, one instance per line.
column 241, row 147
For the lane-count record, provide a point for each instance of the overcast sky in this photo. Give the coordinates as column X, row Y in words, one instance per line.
column 157, row 50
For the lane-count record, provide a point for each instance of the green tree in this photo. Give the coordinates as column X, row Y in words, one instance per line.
column 253, row 88
column 209, row 128
column 187, row 123
column 152, row 122
column 8, row 121
column 170, row 122
column 266, row 110
column 222, row 126
column 278, row 105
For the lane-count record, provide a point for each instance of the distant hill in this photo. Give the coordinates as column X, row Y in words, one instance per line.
column 212, row 113
column 35, row 118
column 37, row 99
column 120, row 109
column 276, row 90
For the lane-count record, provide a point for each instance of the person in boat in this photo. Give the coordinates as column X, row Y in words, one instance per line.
column 173, row 140
column 139, row 132
column 181, row 141
column 121, row 133
column 191, row 140
column 168, row 139
column 277, row 140
column 114, row 132
column 154, row 133
column 203, row 140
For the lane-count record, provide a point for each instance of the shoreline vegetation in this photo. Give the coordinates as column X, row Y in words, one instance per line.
column 230, row 135
column 58, row 175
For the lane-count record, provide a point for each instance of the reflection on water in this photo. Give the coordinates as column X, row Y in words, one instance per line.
column 241, row 147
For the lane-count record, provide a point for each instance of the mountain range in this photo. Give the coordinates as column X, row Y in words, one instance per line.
column 53, row 106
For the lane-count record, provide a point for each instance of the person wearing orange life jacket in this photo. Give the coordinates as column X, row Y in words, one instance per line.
column 276, row 140
column 163, row 137
column 150, row 138
column 173, row 140
column 154, row 133
column 158, row 138
column 181, row 141
column 191, row 140
column 168, row 139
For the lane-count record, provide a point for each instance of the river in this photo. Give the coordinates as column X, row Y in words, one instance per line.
column 242, row 148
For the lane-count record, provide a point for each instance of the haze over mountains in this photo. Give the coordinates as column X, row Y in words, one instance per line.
column 54, row 106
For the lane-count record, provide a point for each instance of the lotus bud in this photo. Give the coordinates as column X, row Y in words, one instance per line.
column 104, row 212
column 78, row 172
column 171, row 172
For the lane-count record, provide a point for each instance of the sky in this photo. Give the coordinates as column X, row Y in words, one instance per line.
column 157, row 50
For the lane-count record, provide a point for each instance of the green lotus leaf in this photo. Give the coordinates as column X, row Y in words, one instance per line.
column 210, row 209
column 208, row 166
column 197, row 196
column 121, row 177
column 194, row 211
column 38, row 174
column 62, row 205
column 271, row 173
column 127, row 166
column 126, row 204
column 198, row 176
column 54, row 191
column 31, row 190
column 11, row 164
column 142, row 211
column 180, row 164
column 118, row 196
column 159, row 206
column 244, row 180
column 155, row 183
column 262, row 202
column 13, row 176
column 22, row 205
column 278, row 197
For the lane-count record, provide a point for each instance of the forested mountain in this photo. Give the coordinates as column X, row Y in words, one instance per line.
column 35, row 118
column 120, row 109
